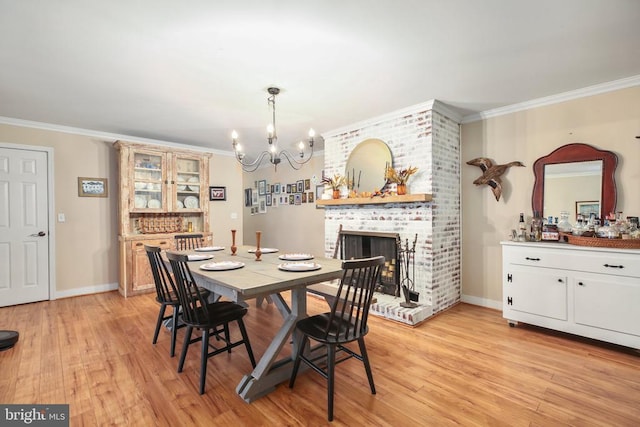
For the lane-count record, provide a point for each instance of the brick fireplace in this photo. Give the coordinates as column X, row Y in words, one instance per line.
column 426, row 136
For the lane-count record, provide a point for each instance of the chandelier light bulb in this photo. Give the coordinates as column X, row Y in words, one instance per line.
column 270, row 129
column 312, row 133
column 234, row 135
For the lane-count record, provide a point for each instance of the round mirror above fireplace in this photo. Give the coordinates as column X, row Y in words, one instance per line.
column 366, row 165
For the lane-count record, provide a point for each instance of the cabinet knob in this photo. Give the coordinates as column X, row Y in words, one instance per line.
column 532, row 259
column 560, row 281
column 580, row 284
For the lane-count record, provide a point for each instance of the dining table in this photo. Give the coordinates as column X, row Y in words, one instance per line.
column 261, row 279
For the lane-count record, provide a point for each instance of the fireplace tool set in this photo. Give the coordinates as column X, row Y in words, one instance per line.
column 407, row 259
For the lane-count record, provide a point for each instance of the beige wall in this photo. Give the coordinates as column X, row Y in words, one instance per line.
column 291, row 228
column 608, row 121
column 87, row 243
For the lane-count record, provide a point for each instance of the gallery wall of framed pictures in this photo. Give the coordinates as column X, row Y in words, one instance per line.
column 264, row 195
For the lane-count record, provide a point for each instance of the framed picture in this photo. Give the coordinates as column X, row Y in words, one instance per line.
column 254, row 198
column 586, row 208
column 291, row 199
column 319, row 191
column 310, row 196
column 307, row 184
column 304, row 197
column 217, row 193
column 300, row 185
column 276, row 188
column 247, row 197
column 262, row 187
column 92, row 187
column 288, row 188
column 269, row 198
column 262, row 204
column 298, row 199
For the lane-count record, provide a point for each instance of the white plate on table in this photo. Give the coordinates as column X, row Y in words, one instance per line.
column 191, row 202
column 299, row 266
column 264, row 250
column 209, row 248
column 198, row 257
column 140, row 202
column 222, row 265
column 295, row 257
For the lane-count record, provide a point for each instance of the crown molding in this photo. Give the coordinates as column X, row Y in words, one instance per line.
column 106, row 136
column 555, row 99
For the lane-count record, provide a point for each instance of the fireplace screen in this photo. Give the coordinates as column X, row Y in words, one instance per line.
column 362, row 244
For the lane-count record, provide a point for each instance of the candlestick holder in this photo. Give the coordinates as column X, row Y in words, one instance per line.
column 234, row 248
column 258, row 251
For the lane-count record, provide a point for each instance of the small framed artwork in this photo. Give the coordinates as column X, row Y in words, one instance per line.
column 319, row 191
column 586, row 208
column 307, row 184
column 298, row 199
column 247, row 197
column 269, row 198
column 262, row 205
column 304, row 197
column 217, row 193
column 268, row 188
column 288, row 188
column 274, row 201
column 276, row 188
column 262, row 187
column 300, row 186
column 310, row 196
column 254, row 198
column 291, row 199
column 92, row 187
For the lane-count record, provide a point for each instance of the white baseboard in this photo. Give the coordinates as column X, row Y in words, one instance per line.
column 483, row 302
column 86, row 290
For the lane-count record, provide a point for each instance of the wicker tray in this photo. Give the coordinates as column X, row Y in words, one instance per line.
column 600, row 242
column 160, row 224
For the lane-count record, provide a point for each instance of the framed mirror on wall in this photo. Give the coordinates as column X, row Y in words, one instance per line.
column 367, row 163
column 574, row 177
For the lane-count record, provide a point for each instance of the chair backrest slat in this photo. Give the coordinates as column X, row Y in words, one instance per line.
column 350, row 310
column 194, row 305
column 165, row 288
column 188, row 241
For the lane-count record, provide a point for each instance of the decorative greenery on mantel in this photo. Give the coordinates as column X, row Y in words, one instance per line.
column 407, row 198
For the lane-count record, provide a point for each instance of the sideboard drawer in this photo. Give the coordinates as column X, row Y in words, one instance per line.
column 593, row 261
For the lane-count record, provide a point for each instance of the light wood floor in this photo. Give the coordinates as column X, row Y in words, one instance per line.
column 463, row 367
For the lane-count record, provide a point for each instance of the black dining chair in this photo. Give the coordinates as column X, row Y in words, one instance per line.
column 188, row 241
column 209, row 318
column 345, row 323
column 166, row 295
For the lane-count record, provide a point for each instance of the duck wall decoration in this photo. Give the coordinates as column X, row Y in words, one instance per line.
column 491, row 174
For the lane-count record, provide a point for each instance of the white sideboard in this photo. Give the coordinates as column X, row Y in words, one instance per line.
column 592, row 292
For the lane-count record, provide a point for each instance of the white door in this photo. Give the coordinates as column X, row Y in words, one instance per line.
column 24, row 233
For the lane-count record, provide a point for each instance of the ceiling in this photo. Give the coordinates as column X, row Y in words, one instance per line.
column 192, row 71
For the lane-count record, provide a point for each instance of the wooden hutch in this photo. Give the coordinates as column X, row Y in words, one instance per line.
column 162, row 192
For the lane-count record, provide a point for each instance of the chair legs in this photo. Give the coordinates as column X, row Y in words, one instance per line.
column 174, row 328
column 329, row 374
column 163, row 308
column 367, row 366
column 204, row 349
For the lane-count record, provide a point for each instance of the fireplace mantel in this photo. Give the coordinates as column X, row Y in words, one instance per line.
column 406, row 198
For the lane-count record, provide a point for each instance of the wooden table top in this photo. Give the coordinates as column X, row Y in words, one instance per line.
column 259, row 278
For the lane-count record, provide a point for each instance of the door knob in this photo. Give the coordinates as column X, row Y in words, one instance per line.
column 40, row 234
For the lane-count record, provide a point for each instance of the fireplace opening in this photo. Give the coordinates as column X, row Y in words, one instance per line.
column 364, row 244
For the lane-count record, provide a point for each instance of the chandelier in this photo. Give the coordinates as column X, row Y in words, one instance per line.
column 275, row 156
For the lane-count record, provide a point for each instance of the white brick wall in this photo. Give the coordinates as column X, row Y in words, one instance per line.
column 424, row 136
